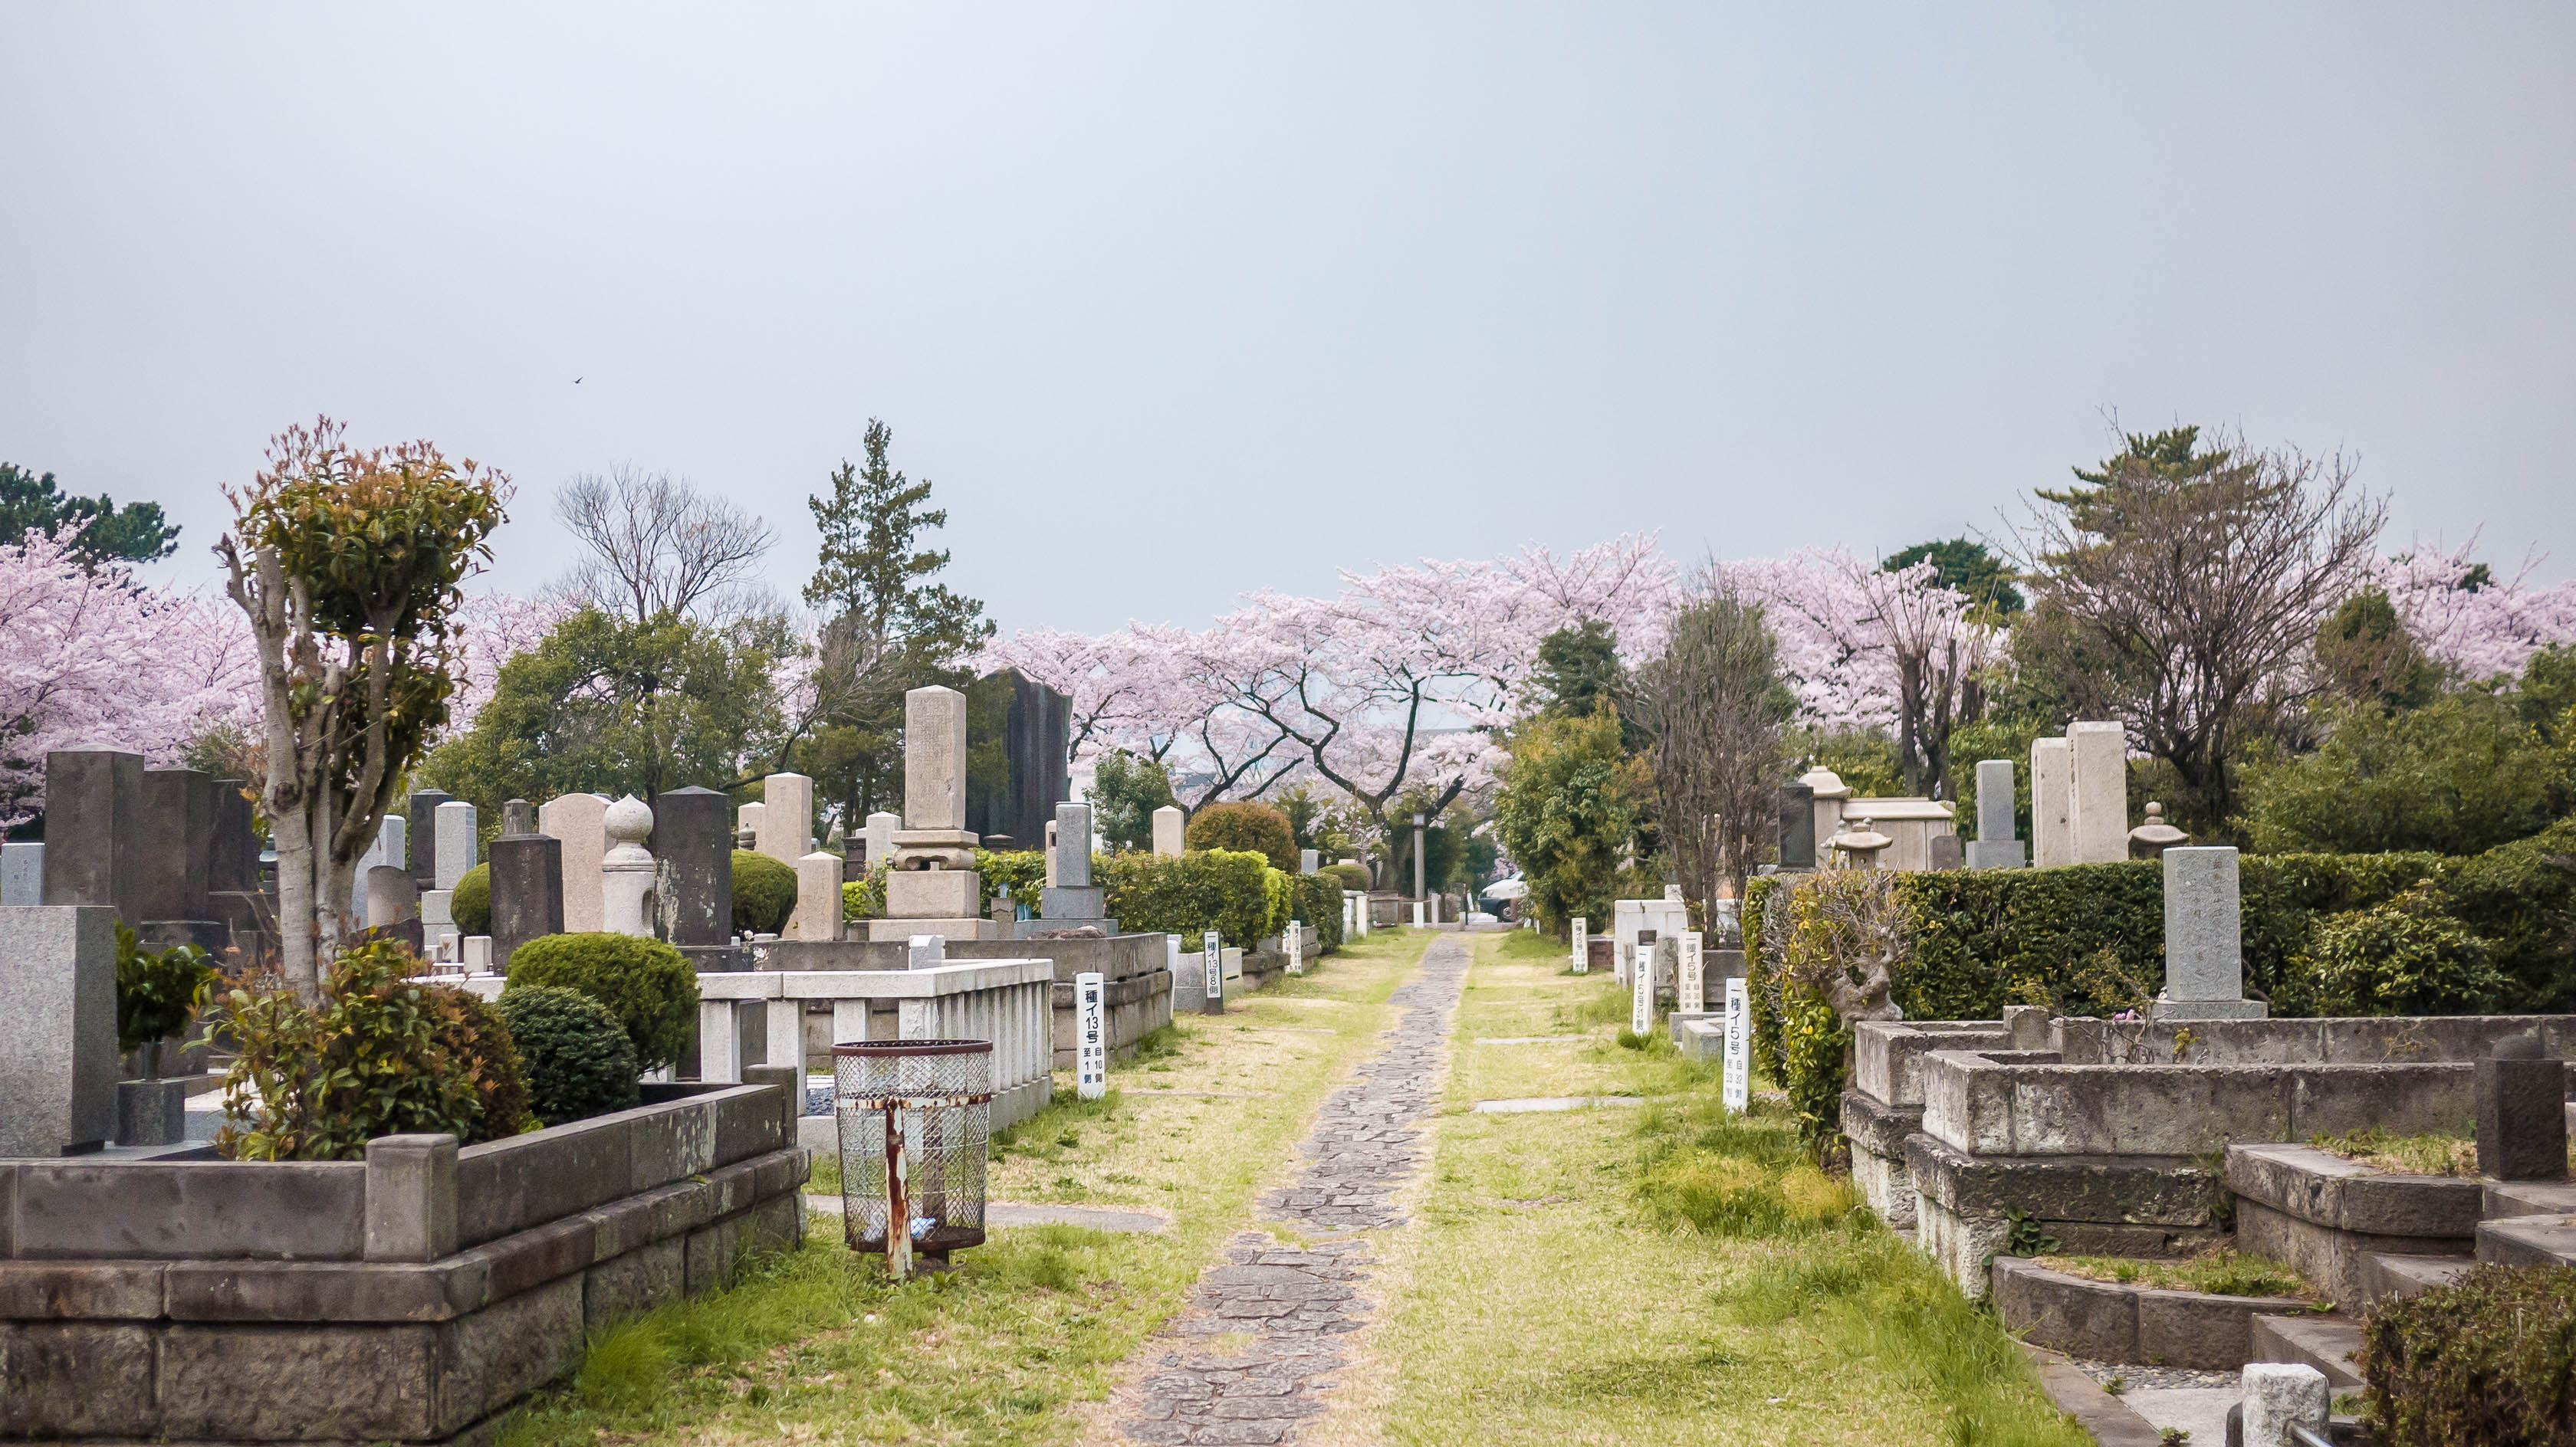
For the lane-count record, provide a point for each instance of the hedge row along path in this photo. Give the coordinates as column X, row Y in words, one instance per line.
column 1210, row 1385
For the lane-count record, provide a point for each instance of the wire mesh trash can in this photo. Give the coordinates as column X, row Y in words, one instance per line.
column 915, row 1119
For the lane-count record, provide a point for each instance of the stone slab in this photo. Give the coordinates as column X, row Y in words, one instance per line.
column 578, row 822
column 934, row 759
column 58, row 1056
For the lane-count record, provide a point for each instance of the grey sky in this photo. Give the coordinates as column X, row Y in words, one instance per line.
column 1175, row 302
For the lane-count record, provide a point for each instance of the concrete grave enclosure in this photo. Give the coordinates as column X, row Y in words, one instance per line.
column 407, row 1297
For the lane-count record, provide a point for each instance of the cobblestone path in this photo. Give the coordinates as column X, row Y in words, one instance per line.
column 1295, row 1306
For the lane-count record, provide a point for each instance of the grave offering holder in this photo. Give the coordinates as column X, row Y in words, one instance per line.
column 915, row 1122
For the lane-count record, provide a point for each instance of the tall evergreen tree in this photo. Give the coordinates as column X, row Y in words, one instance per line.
column 134, row 533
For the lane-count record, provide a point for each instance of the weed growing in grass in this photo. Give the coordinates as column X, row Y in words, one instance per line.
column 2223, row 1272
column 1597, row 1006
column 2422, row 1155
column 1729, row 1175
column 1161, row 1043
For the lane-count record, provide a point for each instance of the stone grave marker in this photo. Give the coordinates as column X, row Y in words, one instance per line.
column 2522, row 1111
column 392, row 896
column 932, row 884
column 580, row 822
column 1641, row 984
column 178, row 834
column 1797, row 827
column 1582, row 945
column 1736, row 1081
column 1309, row 860
column 880, row 836
column 1167, row 830
column 1072, row 900
column 423, row 814
column 818, row 898
column 626, row 869
column 391, row 847
column 2098, row 815
column 458, row 840
column 1995, row 847
column 2204, row 939
column 1296, row 943
column 1690, row 987
column 94, row 830
column 518, row 816
column 1090, row 1035
column 58, row 1058
column 527, row 890
column 1212, row 986
column 22, row 873
column 692, row 868
column 2052, row 803
column 786, row 828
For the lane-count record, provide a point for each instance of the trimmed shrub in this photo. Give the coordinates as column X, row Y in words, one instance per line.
column 471, row 905
column 1217, row 889
column 156, row 990
column 649, row 986
column 2405, row 957
column 579, row 1061
column 2487, row 1362
column 1024, row 870
column 1352, row 876
column 1244, row 824
column 375, row 1057
column 477, row 1036
column 764, row 894
column 864, row 898
column 1319, row 903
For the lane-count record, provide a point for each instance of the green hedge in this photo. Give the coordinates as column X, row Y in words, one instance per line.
column 1024, row 870
column 2487, row 1362
column 1319, row 903
column 1225, row 890
column 471, row 903
column 2490, row 931
column 577, row 1058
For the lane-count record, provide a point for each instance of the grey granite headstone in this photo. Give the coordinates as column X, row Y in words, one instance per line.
column 880, row 835
column 934, row 758
column 459, row 841
column 1995, row 847
column 1308, row 861
column 178, row 832
column 22, row 873
column 57, row 1028
column 527, row 892
column 2522, row 1112
column 423, row 815
column 1073, row 845
column 693, row 867
column 232, row 855
column 94, row 829
column 1797, row 826
column 390, row 848
column 518, row 816
column 2204, row 939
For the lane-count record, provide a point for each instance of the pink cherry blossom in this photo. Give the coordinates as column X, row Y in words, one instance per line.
column 2482, row 633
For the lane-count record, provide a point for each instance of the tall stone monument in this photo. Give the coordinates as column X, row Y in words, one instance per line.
column 626, row 870
column 178, row 834
column 423, row 814
column 459, row 843
column 57, row 1028
column 2052, row 803
column 932, row 887
column 1073, row 901
column 1797, row 827
column 785, row 826
column 94, row 830
column 880, row 836
column 2098, row 815
column 1995, row 847
column 818, row 898
column 527, row 891
column 2204, row 940
column 1168, row 823
column 693, row 868
column 580, row 821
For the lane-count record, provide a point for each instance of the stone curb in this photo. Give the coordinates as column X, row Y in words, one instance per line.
column 2109, row 1321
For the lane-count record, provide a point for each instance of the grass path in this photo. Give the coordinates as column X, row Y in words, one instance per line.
column 1651, row 1275
column 817, row 1346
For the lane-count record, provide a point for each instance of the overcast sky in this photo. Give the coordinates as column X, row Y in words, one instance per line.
column 1175, row 302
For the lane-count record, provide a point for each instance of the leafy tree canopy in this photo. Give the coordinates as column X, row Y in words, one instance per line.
column 1571, row 799
column 1966, row 566
column 2461, row 774
column 1125, row 792
column 133, row 533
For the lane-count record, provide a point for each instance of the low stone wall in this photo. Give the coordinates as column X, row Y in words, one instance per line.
column 404, row 1298
column 2107, row 1321
column 1136, row 1007
column 2324, row 1214
column 1885, row 1104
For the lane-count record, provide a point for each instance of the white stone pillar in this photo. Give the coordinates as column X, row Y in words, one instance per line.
column 1296, row 943
column 1736, row 1089
column 1641, row 986
column 2098, row 811
column 457, row 844
column 1090, row 1036
column 1690, row 991
column 849, row 1021
column 1167, row 830
column 917, row 1019
column 2052, row 803
column 787, row 1035
column 1582, row 945
column 786, row 818
column 719, row 1043
column 579, row 824
column 818, row 898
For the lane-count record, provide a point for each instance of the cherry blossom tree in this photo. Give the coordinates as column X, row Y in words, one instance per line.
column 89, row 656
column 491, row 629
column 2469, row 620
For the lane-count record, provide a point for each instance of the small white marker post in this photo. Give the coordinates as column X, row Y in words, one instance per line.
column 1738, row 1085
column 1296, row 948
column 1641, row 979
column 1582, row 946
column 1213, row 1001
column 1090, row 1035
column 1692, row 995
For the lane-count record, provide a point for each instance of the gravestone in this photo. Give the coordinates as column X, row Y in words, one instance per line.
column 392, row 895
column 932, row 886
column 389, row 848
column 580, row 822
column 460, row 841
column 1073, row 900
column 1641, row 984
column 1944, row 851
column 2099, row 813
column 94, row 830
column 1016, row 733
column 423, row 814
column 746, row 826
column 518, row 816
column 2204, row 940
column 1797, row 827
column 693, row 867
column 178, row 835
column 626, row 869
column 818, row 898
column 934, row 760
column 1995, row 847
column 786, row 828
column 2052, row 803
column 58, row 1058
column 1090, row 1035
column 880, row 835
column 527, row 891
column 1168, row 822
column 476, row 951
column 2522, row 1111
column 1296, row 943
column 232, row 854
column 1690, row 987
column 22, row 873
column 1212, row 975
column 1582, row 945
column 1308, row 861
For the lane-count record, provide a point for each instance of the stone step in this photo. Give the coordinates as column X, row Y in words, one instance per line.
column 2528, row 1198
column 2327, row 1343
column 2387, row 1274
column 2528, row 1241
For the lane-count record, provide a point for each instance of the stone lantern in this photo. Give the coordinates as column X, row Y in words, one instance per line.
column 1860, row 844
column 2151, row 839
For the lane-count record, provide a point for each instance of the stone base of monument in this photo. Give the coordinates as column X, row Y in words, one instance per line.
column 1042, row 929
column 409, row 1297
column 954, row 930
column 718, row 959
column 2162, row 1010
column 1997, row 853
column 932, row 893
column 151, row 1112
column 210, row 935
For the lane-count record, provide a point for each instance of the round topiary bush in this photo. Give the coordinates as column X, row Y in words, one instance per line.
column 475, row 1035
column 1247, row 825
column 578, row 1060
column 650, row 987
column 764, row 893
column 1352, row 876
column 471, row 905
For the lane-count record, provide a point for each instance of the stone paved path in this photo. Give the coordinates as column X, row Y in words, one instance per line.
column 1293, row 1307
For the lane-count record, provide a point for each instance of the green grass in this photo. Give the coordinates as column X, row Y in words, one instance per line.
column 2421, row 1155
column 2222, row 1272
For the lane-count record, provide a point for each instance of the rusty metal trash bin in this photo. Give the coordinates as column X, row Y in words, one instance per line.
column 915, row 1122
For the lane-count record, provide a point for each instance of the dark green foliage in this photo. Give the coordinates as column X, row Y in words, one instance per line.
column 2487, row 1362
column 1967, row 567
column 2405, row 957
column 1125, row 792
column 764, row 893
column 472, row 1033
column 1570, row 802
column 2460, row 774
column 1244, row 824
column 2366, row 656
column 1352, row 876
column 578, row 1059
column 1319, row 903
column 1578, row 668
column 1219, row 889
column 1866, row 760
column 471, row 903
column 133, row 533
column 156, row 990
column 649, row 986
column 1024, row 870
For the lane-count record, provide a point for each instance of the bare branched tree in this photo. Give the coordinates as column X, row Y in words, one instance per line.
column 1713, row 708
column 658, row 547
column 2181, row 594
column 1854, row 933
